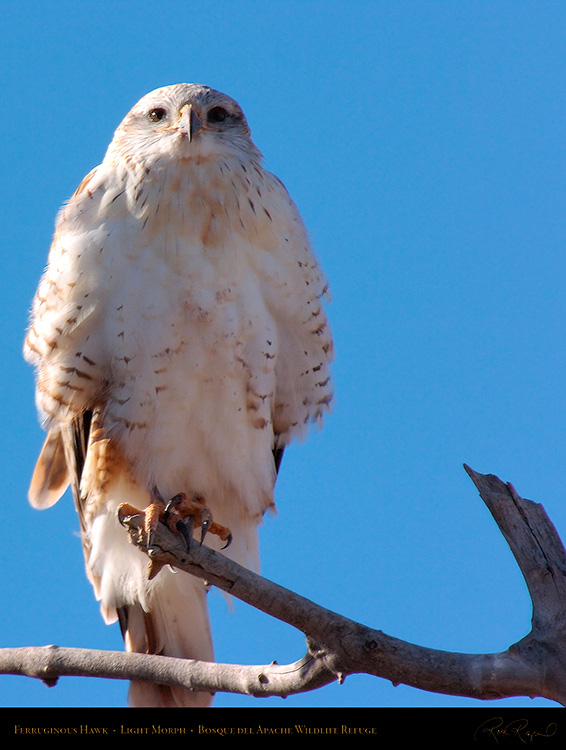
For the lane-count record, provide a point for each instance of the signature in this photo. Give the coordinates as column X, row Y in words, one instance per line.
column 519, row 729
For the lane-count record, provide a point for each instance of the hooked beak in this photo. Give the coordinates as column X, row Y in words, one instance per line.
column 189, row 122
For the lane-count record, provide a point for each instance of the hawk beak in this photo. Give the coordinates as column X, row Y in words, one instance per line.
column 189, row 123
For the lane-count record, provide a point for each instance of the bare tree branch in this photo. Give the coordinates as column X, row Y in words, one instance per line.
column 48, row 663
column 337, row 646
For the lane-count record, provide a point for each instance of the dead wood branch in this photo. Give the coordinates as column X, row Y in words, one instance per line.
column 337, row 646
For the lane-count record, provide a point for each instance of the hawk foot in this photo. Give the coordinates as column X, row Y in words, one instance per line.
column 181, row 515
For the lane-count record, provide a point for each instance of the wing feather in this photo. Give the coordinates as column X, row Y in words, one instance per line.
column 51, row 475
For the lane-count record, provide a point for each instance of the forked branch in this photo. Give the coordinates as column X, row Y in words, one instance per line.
column 338, row 647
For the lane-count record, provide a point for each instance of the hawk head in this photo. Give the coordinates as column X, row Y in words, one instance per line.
column 183, row 121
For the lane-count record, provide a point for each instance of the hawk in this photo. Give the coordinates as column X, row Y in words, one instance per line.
column 180, row 343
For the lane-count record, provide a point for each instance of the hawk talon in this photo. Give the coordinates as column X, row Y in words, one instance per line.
column 169, row 507
column 183, row 529
column 127, row 512
column 205, row 524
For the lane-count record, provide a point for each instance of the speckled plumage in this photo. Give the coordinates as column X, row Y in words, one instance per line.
column 179, row 339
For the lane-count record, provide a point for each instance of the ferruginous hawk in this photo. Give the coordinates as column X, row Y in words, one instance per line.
column 180, row 342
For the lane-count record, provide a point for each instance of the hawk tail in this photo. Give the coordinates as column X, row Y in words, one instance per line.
column 176, row 625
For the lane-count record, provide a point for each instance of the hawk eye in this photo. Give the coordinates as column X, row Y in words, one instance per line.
column 157, row 114
column 217, row 114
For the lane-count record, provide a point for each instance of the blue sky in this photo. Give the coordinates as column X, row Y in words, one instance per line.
column 424, row 145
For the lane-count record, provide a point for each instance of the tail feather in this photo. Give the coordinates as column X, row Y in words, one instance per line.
column 176, row 625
